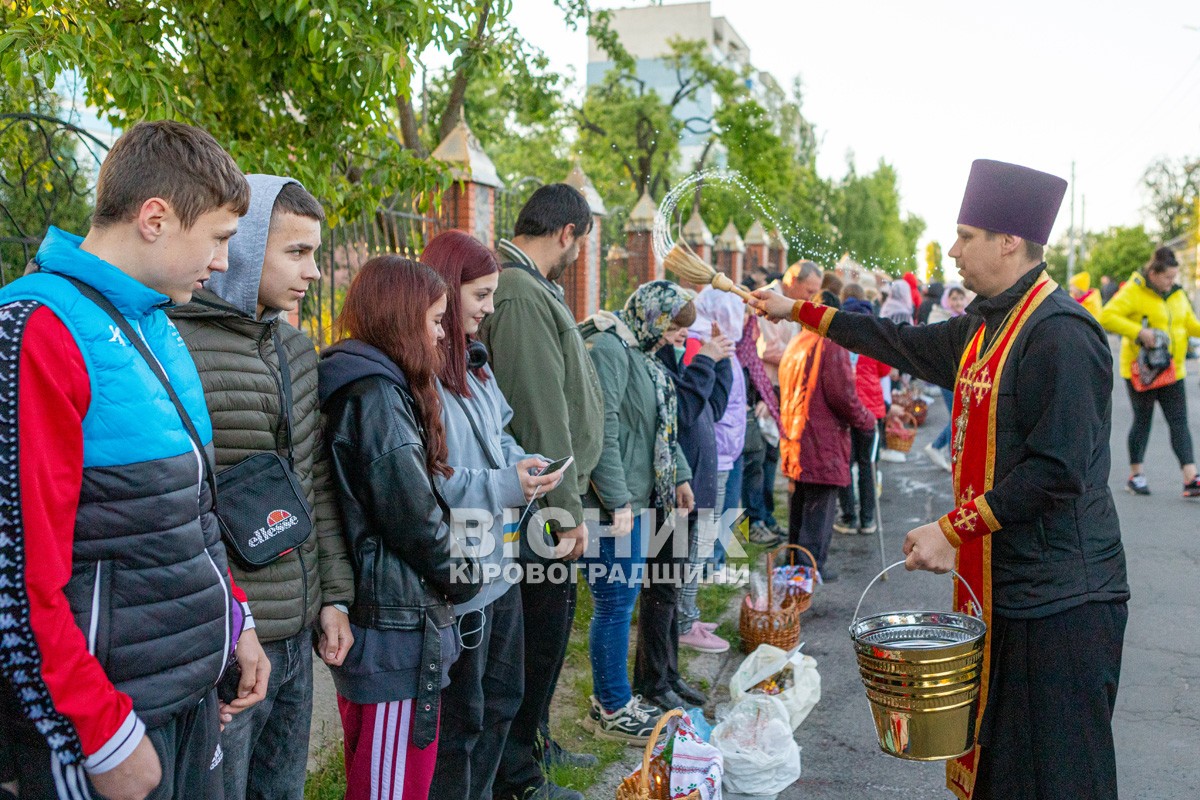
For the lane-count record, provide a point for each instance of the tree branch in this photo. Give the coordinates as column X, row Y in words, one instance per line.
column 408, row 126
column 462, row 69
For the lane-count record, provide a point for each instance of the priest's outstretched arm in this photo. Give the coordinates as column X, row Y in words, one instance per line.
column 930, row 352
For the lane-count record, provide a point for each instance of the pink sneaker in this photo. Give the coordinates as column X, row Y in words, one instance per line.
column 711, row 627
column 704, row 641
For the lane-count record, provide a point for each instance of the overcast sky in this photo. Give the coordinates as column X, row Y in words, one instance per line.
column 930, row 85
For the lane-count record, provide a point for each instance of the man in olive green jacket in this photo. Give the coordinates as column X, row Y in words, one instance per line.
column 545, row 373
column 237, row 333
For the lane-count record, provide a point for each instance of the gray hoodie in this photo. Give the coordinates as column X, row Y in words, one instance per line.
column 238, row 357
column 239, row 286
column 475, row 485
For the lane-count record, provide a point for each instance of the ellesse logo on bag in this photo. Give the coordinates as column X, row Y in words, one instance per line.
column 278, row 521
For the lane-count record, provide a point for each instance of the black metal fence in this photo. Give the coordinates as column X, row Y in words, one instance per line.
column 47, row 177
column 345, row 248
column 508, row 204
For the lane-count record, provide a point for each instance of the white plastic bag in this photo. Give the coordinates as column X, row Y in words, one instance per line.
column 767, row 661
column 770, row 431
column 761, row 757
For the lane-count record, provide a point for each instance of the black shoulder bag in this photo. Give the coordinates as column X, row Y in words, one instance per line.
column 264, row 514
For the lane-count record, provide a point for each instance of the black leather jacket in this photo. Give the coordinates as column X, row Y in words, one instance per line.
column 408, row 570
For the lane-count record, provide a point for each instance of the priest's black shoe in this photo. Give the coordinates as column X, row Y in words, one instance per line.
column 691, row 695
column 666, row 700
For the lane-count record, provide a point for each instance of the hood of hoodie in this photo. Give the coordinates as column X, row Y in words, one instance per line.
column 208, row 306
column 239, row 284
column 348, row 361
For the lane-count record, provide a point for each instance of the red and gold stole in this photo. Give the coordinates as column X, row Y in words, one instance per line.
column 973, row 451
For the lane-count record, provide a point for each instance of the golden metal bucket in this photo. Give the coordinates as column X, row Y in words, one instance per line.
column 922, row 672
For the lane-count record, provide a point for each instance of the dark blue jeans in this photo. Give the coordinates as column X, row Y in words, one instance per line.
column 486, row 688
column 266, row 746
column 770, row 467
column 754, row 477
column 733, row 499
column 614, row 576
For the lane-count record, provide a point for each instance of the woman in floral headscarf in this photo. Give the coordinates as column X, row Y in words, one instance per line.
column 642, row 470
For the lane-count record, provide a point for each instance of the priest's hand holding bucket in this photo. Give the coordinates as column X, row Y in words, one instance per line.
column 928, row 548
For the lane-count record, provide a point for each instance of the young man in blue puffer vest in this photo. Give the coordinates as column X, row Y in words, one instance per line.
column 117, row 612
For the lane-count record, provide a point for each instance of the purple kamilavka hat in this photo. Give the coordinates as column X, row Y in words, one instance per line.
column 1009, row 198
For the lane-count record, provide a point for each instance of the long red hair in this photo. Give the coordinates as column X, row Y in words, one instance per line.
column 459, row 258
column 385, row 307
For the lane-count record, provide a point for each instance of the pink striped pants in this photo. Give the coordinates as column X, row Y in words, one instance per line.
column 381, row 761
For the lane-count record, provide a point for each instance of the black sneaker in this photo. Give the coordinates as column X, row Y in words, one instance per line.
column 827, row 575
column 1192, row 489
column 554, row 755
column 630, row 724
column 1137, row 485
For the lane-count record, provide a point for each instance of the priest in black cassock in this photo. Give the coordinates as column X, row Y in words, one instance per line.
column 1034, row 531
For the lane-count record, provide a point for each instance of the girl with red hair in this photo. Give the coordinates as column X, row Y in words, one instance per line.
column 387, row 445
column 492, row 473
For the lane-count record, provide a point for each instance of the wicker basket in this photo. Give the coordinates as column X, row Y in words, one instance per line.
column 919, row 409
column 803, row 598
column 911, row 401
column 653, row 780
column 901, row 432
column 774, row 626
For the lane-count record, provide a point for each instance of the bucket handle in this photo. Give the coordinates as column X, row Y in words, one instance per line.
column 953, row 572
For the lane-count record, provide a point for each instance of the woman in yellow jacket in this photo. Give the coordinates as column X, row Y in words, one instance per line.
column 1149, row 302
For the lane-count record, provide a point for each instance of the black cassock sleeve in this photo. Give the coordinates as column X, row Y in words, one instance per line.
column 931, row 352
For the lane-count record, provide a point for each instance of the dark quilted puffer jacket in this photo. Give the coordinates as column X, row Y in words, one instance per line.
column 239, row 368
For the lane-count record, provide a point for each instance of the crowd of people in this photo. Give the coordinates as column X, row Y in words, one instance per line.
column 414, row 503
column 194, row 497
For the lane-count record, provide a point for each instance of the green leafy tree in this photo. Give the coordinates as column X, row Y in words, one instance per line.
column 514, row 104
column 866, row 212
column 1172, row 187
column 313, row 88
column 781, row 175
column 1118, row 252
column 47, row 170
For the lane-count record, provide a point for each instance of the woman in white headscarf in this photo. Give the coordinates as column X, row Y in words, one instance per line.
column 899, row 305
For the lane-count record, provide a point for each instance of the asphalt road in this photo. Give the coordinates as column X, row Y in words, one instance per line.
column 1157, row 722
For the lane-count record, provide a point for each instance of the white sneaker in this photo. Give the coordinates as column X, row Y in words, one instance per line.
column 938, row 457
column 893, row 456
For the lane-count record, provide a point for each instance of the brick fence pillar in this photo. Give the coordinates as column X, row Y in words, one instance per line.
column 582, row 282
column 643, row 266
column 730, row 251
column 470, row 202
